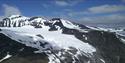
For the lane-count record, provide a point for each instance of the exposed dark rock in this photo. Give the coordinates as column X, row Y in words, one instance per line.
column 33, row 18
column 36, row 58
column 108, row 45
column 38, row 26
column 57, row 23
column 47, row 23
column 68, row 31
column 40, row 36
column 20, row 52
column 52, row 28
column 81, row 25
column 123, row 29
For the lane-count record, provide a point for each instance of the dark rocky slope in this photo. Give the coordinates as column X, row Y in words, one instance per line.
column 20, row 52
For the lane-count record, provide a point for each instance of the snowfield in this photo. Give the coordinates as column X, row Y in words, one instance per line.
column 51, row 39
column 56, row 38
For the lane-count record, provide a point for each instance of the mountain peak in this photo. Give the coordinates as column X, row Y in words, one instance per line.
column 14, row 21
column 37, row 22
column 63, row 23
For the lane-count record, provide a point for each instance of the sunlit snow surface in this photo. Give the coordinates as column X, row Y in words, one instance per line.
column 68, row 24
column 56, row 38
column 27, row 35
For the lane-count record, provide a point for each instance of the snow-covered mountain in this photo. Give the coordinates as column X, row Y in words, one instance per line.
column 36, row 40
column 14, row 21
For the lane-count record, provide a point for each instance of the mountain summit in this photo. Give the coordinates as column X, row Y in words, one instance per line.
column 37, row 40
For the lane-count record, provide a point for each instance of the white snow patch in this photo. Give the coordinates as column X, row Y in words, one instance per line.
column 68, row 24
column 123, row 40
column 102, row 60
column 6, row 57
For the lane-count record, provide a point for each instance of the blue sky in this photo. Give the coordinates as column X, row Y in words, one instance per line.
column 84, row 11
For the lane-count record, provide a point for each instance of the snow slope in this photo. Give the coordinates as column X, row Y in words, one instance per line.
column 56, row 38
